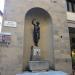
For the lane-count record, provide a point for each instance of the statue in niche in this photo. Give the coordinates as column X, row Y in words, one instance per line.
column 36, row 32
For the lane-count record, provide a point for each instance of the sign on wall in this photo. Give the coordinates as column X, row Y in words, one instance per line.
column 10, row 23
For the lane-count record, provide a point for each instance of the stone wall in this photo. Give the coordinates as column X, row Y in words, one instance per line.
column 11, row 57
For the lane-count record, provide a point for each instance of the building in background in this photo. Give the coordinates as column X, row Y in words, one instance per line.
column 71, row 27
column 1, row 12
column 1, row 18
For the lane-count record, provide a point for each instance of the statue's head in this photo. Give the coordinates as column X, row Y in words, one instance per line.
column 37, row 23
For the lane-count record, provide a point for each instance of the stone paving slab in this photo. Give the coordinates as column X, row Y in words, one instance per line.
column 44, row 73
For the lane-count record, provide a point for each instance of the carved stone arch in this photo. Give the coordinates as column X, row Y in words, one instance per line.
column 46, row 35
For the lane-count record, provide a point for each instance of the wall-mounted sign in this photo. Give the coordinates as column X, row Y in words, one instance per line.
column 10, row 23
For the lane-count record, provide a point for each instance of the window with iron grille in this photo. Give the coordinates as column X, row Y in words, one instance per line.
column 71, row 5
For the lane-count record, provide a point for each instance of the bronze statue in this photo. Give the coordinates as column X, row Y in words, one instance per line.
column 36, row 32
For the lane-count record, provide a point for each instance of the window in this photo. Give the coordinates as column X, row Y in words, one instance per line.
column 71, row 5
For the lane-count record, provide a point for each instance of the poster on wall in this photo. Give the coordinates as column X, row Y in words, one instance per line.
column 5, row 38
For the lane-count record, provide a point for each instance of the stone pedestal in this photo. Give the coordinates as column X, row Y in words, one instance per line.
column 38, row 65
column 35, row 54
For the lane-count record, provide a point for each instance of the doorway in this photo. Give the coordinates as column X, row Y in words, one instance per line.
column 72, row 45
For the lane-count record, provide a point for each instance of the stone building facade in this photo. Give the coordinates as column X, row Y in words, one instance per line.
column 54, row 38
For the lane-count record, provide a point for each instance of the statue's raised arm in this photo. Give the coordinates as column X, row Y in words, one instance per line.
column 33, row 22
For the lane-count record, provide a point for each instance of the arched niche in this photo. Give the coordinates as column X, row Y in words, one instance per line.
column 46, row 35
